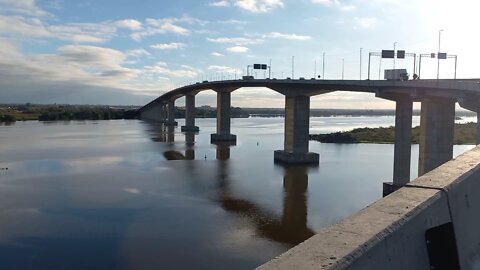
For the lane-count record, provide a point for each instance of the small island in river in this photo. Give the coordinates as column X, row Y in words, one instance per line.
column 464, row 134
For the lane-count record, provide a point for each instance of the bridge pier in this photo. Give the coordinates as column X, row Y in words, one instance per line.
column 223, row 118
column 171, row 114
column 403, row 145
column 297, row 123
column 162, row 113
column 189, row 114
column 437, row 122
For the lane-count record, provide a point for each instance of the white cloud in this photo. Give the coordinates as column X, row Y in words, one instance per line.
column 238, row 49
column 79, row 64
column 328, row 3
column 129, row 24
column 236, row 41
column 160, row 26
column 165, row 71
column 217, row 54
column 222, row 69
column 365, row 22
column 233, row 22
column 287, row 36
column 76, row 32
column 168, row 46
column 347, row 7
column 335, row 3
column 222, row 3
column 92, row 56
column 137, row 53
column 256, row 6
column 24, row 7
column 84, row 32
column 259, row 6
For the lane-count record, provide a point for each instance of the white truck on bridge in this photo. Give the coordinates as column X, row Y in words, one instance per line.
column 396, row 75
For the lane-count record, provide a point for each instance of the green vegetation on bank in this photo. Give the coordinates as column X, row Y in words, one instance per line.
column 24, row 112
column 210, row 112
column 464, row 134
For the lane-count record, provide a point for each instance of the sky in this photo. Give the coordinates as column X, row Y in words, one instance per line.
column 127, row 52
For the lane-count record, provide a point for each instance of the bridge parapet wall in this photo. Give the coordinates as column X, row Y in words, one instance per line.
column 392, row 233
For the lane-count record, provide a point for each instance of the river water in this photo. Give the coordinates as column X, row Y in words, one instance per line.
column 127, row 194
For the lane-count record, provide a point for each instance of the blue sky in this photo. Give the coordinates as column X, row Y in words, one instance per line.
column 128, row 52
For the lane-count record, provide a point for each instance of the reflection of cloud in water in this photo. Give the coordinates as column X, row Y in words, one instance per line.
column 132, row 190
column 46, row 167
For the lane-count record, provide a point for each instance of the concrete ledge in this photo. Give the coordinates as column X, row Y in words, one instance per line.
column 285, row 157
column 389, row 187
column 222, row 138
column 169, row 123
column 190, row 128
column 391, row 233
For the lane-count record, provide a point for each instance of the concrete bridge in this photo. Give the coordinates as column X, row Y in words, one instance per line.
column 437, row 97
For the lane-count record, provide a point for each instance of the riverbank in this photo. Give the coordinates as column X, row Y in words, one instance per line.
column 464, row 134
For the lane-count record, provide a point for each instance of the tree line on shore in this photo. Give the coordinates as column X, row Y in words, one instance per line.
column 12, row 113
column 463, row 134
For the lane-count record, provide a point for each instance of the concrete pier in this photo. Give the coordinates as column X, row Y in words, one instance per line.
column 189, row 114
column 403, row 146
column 163, row 113
column 171, row 114
column 223, row 118
column 190, row 142
column 437, row 122
column 297, row 120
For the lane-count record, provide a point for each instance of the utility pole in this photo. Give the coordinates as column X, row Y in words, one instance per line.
column 438, row 59
column 270, row 69
column 293, row 67
column 323, row 66
column 361, row 63
column 394, row 47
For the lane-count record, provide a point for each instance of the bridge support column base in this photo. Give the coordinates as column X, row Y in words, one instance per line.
column 223, row 138
column 389, row 188
column 285, row 157
column 190, row 129
column 170, row 123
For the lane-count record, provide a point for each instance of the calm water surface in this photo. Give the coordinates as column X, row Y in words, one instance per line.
column 135, row 195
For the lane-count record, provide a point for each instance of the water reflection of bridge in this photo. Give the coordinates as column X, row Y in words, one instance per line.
column 290, row 228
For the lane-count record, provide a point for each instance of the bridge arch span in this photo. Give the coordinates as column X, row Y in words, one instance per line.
column 438, row 98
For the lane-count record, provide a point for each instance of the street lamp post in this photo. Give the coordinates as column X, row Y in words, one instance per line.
column 343, row 68
column 361, row 63
column 323, row 66
column 438, row 59
column 394, row 46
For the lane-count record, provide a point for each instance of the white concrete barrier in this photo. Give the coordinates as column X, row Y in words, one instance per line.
column 432, row 223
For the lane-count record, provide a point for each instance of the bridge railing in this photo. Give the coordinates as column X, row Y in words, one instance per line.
column 432, row 223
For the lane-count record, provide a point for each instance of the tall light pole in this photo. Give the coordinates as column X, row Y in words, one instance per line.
column 343, row 68
column 394, row 47
column 361, row 63
column 438, row 59
column 293, row 67
column 323, row 66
